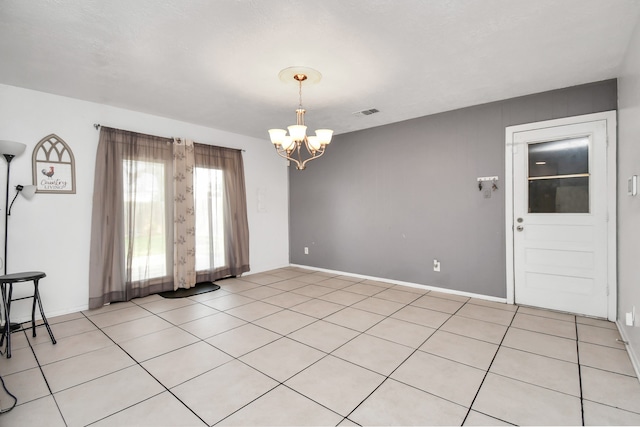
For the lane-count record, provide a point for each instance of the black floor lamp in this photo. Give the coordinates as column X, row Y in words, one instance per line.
column 10, row 149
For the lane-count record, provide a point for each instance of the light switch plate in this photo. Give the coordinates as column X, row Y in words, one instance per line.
column 632, row 185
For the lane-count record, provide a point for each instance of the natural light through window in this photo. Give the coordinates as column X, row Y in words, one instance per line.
column 209, row 197
column 144, row 188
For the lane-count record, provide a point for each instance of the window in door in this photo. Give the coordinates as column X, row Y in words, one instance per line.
column 559, row 176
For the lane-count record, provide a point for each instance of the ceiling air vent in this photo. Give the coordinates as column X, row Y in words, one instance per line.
column 366, row 112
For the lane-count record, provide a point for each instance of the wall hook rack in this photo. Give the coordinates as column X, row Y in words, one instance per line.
column 493, row 179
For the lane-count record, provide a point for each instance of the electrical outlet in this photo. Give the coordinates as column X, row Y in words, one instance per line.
column 306, row 250
column 436, row 265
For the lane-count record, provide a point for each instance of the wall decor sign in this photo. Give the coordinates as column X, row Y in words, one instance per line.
column 54, row 167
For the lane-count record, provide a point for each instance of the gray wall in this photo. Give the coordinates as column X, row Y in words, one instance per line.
column 629, row 207
column 386, row 201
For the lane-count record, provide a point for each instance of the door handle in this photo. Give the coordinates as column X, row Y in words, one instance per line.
column 519, row 228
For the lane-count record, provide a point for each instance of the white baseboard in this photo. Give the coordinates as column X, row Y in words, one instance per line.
column 401, row 283
column 50, row 315
column 631, row 350
column 263, row 270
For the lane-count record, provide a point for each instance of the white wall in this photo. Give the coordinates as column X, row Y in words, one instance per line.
column 51, row 232
column 629, row 207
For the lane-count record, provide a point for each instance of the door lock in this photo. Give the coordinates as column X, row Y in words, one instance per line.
column 519, row 219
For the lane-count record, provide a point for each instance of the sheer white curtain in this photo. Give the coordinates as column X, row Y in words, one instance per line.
column 132, row 218
column 222, row 229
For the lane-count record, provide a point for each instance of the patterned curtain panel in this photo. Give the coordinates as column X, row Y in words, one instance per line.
column 184, row 229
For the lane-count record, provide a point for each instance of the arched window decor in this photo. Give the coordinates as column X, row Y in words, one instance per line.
column 54, row 167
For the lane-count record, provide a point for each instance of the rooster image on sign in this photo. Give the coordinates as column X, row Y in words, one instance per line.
column 49, row 172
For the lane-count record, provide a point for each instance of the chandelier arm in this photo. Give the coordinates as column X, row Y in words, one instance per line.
column 280, row 153
column 292, row 156
column 300, row 161
column 306, row 145
column 284, row 156
column 313, row 158
column 312, row 150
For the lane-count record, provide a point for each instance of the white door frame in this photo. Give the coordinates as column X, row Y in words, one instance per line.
column 610, row 117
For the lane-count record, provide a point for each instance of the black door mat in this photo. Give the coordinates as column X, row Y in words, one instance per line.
column 199, row 288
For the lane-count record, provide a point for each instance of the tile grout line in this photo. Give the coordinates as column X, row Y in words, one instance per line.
column 322, row 358
column 489, row 368
column 579, row 371
column 234, row 358
column 411, row 354
column 279, row 383
column 577, row 341
column 282, row 383
column 45, row 379
column 148, row 373
column 387, row 377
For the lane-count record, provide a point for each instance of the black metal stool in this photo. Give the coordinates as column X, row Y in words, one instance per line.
column 7, row 291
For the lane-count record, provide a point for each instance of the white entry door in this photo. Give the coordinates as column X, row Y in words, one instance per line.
column 560, row 214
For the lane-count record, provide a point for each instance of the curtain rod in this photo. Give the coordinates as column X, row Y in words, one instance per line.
column 171, row 139
column 98, row 126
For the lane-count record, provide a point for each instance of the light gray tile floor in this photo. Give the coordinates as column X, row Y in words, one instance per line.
column 297, row 347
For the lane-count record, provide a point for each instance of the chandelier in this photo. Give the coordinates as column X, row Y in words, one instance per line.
column 290, row 146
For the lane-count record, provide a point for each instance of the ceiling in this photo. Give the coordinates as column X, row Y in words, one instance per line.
column 216, row 63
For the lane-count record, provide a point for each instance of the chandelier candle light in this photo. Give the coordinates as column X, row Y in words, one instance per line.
column 289, row 146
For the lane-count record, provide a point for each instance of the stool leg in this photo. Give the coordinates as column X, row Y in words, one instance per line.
column 44, row 318
column 7, row 327
column 33, row 314
column 8, row 322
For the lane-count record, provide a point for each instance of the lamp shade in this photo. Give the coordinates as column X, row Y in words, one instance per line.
column 314, row 143
column 288, row 143
column 28, row 191
column 324, row 135
column 297, row 132
column 277, row 135
column 12, row 148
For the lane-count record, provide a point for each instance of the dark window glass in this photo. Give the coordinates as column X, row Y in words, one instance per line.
column 559, row 176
